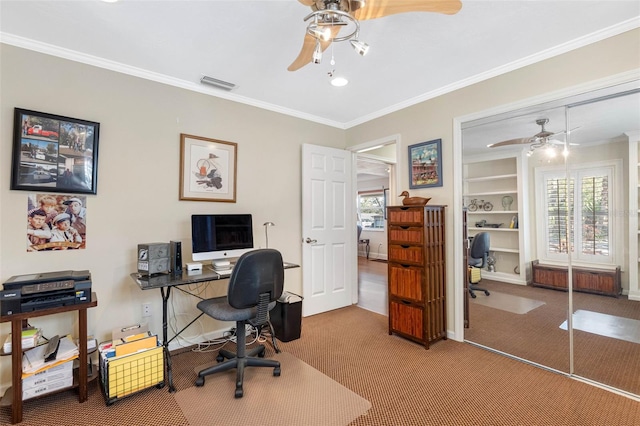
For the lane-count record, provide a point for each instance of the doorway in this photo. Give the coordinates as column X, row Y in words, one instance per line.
column 375, row 177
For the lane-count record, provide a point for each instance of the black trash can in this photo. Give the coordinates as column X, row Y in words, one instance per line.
column 286, row 317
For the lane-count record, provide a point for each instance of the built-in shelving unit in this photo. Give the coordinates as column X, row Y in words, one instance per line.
column 634, row 210
column 499, row 181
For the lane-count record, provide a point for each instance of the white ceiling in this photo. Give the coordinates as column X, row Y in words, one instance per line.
column 413, row 56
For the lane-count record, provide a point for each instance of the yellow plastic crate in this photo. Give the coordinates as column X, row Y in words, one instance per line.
column 124, row 375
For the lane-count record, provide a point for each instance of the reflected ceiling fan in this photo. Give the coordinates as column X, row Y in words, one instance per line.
column 328, row 17
column 541, row 139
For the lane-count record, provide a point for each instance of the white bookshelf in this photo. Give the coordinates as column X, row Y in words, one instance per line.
column 490, row 180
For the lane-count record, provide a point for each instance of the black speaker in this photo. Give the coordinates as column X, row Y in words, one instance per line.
column 176, row 256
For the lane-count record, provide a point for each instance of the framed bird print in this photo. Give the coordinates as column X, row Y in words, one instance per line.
column 207, row 169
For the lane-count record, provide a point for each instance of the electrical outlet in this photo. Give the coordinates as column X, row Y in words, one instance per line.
column 146, row 309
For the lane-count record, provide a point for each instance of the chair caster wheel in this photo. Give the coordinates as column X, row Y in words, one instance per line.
column 200, row 381
column 473, row 295
column 276, row 371
column 219, row 358
column 261, row 354
column 486, row 293
column 239, row 393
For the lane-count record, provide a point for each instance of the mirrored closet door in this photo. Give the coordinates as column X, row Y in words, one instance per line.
column 556, row 189
column 604, row 169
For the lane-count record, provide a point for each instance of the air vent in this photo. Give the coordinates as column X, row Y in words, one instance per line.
column 225, row 85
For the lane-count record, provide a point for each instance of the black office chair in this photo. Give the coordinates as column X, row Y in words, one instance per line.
column 255, row 284
column 478, row 254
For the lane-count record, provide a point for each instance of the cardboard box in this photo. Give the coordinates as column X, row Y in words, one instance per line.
column 59, row 372
column 48, row 387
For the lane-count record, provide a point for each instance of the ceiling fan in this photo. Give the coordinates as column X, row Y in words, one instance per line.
column 328, row 17
column 541, row 139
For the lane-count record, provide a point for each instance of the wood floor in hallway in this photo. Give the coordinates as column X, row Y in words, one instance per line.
column 372, row 285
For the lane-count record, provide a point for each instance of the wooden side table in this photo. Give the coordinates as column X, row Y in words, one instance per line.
column 13, row 395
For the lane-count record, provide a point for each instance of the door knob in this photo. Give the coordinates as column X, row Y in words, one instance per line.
column 310, row 241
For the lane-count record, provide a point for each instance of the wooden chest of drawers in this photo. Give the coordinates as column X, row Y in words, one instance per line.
column 416, row 273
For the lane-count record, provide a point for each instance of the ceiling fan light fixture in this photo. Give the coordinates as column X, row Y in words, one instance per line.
column 317, row 54
column 319, row 32
column 551, row 151
column 360, row 47
column 339, row 82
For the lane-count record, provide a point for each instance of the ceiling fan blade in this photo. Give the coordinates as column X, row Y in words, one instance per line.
column 518, row 141
column 308, row 46
column 379, row 8
column 305, row 55
column 307, row 2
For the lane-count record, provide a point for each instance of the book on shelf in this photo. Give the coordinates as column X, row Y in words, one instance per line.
column 30, row 337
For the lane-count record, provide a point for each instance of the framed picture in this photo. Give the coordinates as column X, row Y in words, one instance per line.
column 425, row 164
column 207, row 169
column 54, row 153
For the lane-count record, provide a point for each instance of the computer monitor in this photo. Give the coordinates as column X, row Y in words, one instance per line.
column 220, row 236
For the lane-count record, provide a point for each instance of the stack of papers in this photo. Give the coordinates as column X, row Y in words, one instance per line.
column 30, row 337
column 33, row 359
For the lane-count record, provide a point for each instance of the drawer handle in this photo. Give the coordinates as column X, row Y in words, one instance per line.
column 406, row 302
column 404, row 247
column 405, row 227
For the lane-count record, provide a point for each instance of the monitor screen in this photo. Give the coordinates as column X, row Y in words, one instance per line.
column 220, row 236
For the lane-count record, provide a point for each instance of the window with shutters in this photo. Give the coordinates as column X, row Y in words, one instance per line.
column 575, row 213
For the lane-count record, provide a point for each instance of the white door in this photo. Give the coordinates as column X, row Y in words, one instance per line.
column 328, row 229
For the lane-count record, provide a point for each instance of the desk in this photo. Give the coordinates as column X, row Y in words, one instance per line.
column 16, row 355
column 165, row 282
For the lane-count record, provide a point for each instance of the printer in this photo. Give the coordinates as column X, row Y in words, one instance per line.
column 32, row 292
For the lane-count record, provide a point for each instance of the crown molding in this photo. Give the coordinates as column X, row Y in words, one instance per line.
column 71, row 55
column 577, row 43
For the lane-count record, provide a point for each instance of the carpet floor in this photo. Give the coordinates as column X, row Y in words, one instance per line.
column 536, row 336
column 452, row 383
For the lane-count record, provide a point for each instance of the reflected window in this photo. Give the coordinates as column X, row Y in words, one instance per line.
column 581, row 201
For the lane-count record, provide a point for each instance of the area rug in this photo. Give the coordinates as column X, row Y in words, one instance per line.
column 506, row 302
column 300, row 396
column 606, row 325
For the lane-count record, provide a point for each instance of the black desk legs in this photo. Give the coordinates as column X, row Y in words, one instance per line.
column 166, row 291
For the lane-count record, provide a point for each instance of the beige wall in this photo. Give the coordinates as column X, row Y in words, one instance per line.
column 433, row 119
column 138, row 177
column 137, row 197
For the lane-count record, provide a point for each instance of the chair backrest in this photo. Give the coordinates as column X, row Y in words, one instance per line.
column 359, row 231
column 479, row 248
column 258, row 275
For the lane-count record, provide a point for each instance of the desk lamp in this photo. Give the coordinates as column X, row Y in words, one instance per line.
column 266, row 231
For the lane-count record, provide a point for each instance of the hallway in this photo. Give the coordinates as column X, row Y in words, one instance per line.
column 372, row 285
